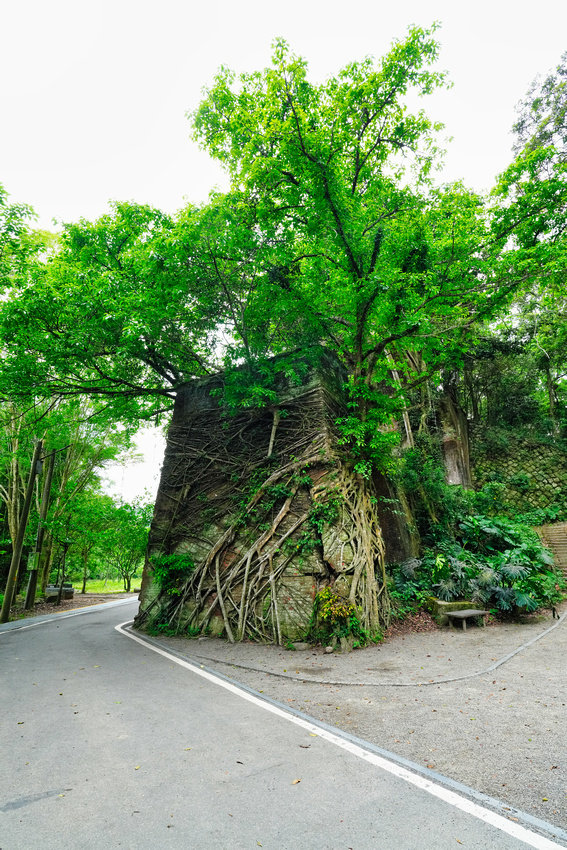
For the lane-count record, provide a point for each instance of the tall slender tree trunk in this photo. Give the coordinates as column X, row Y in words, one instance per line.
column 552, row 395
column 12, row 582
column 46, row 566
column 85, row 570
column 32, row 584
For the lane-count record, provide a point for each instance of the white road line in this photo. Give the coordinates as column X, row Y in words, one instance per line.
column 54, row 618
column 532, row 839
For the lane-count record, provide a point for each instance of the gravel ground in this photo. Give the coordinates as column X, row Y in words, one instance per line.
column 503, row 732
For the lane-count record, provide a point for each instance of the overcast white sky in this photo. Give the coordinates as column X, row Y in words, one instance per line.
column 93, row 95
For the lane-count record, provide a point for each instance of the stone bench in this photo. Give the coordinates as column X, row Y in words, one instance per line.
column 52, row 592
column 465, row 614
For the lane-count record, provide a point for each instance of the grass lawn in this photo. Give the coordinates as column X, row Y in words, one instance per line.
column 98, row 585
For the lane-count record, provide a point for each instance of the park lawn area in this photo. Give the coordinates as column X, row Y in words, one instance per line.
column 99, row 586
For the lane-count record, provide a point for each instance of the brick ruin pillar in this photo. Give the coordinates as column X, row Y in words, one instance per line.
column 256, row 511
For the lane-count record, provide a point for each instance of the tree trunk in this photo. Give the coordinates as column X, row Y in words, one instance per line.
column 551, row 394
column 11, row 584
column 32, row 584
column 46, row 567
column 85, row 570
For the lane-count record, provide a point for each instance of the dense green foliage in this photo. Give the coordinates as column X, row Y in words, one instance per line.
column 494, row 562
column 169, row 571
column 333, row 233
column 103, row 538
column 83, row 445
column 475, row 545
column 335, row 617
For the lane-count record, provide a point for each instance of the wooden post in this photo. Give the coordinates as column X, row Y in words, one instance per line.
column 19, row 544
column 32, row 583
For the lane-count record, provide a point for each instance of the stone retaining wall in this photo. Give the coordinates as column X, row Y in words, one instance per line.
column 534, row 473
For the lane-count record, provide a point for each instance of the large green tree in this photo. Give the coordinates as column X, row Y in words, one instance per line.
column 128, row 538
column 332, row 234
column 367, row 256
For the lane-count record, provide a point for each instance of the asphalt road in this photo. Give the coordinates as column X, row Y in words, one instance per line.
column 485, row 707
column 106, row 742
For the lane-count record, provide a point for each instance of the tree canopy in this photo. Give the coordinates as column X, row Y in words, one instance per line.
column 333, row 234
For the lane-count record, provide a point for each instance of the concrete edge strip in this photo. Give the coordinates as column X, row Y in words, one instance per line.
column 429, row 682
column 17, row 625
column 453, row 793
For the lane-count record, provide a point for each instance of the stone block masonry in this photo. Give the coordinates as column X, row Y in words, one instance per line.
column 534, row 473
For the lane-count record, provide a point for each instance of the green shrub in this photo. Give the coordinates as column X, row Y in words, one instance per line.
column 161, row 629
column 520, row 481
column 171, row 571
column 491, row 498
column 495, row 441
column 542, row 516
column 335, row 617
column 408, row 588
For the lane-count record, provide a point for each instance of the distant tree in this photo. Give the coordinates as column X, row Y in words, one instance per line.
column 532, row 195
column 93, row 518
column 84, row 446
column 127, row 538
column 542, row 114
